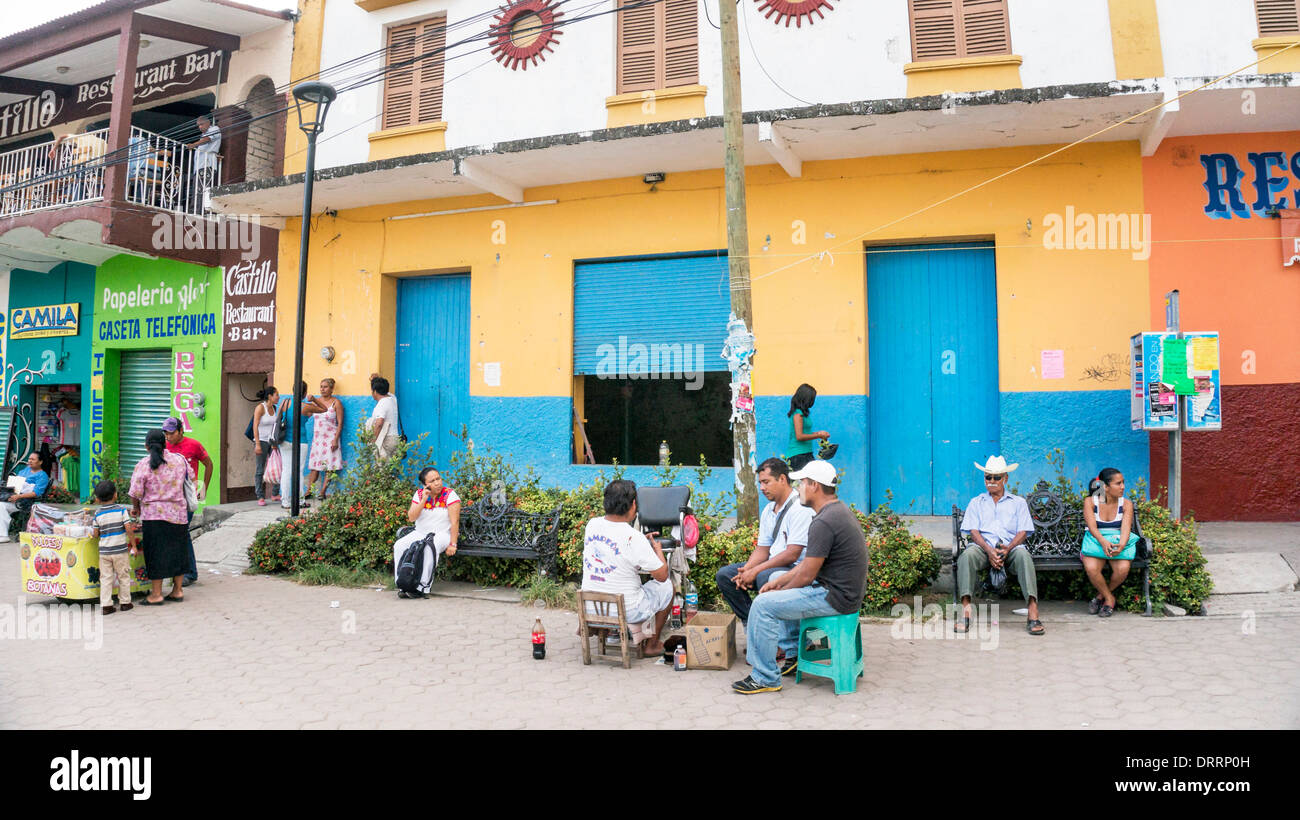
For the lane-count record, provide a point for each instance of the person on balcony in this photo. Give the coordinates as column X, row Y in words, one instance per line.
column 76, row 162
column 206, row 153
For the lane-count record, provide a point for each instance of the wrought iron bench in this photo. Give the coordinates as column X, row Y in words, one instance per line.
column 501, row 530
column 1056, row 540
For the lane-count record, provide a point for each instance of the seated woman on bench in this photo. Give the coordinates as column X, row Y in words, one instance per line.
column 435, row 510
column 1109, row 539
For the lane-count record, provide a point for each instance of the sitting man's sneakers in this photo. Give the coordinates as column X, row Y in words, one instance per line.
column 749, row 686
column 788, row 666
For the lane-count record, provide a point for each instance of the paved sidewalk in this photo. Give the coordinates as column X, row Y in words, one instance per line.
column 261, row 652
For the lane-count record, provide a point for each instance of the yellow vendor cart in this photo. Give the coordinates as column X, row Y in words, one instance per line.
column 61, row 559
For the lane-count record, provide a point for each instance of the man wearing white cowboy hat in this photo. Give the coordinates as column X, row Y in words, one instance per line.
column 997, row 524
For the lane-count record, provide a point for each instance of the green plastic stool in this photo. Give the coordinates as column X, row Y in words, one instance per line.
column 842, row 631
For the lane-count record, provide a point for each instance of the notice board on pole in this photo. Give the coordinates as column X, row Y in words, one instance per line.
column 1153, row 402
column 1204, row 405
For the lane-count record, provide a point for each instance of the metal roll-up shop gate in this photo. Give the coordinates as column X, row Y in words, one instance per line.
column 144, row 402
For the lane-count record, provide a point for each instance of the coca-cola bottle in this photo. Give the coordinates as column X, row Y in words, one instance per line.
column 676, row 619
column 539, row 640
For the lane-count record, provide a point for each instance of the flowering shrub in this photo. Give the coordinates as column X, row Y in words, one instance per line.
column 899, row 563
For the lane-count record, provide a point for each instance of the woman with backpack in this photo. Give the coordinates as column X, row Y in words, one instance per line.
column 264, row 432
column 435, row 511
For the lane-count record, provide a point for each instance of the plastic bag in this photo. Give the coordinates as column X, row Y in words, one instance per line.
column 274, row 469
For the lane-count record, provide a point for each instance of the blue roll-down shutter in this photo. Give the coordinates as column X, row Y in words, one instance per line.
column 649, row 315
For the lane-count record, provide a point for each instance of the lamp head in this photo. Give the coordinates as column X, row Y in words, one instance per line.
column 313, row 100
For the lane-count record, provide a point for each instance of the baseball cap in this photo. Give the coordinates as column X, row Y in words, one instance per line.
column 820, row 471
column 171, row 425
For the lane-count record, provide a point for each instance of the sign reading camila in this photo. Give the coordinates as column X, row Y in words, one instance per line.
column 45, row 320
column 155, row 81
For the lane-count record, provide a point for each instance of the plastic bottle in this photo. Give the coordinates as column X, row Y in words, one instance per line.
column 663, row 454
column 679, row 659
column 539, row 640
column 692, row 599
column 676, row 619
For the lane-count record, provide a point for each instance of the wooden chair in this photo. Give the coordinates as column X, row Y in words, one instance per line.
column 610, row 615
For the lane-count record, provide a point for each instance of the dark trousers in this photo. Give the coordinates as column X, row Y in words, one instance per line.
column 739, row 599
column 798, row 462
column 192, row 574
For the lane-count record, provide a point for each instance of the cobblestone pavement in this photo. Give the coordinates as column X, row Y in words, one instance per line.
column 258, row 652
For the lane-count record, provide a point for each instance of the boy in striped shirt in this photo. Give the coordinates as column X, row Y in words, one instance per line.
column 111, row 523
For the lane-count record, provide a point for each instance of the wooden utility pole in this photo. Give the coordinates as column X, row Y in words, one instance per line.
column 744, row 428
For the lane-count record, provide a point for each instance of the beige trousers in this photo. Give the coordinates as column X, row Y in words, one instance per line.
column 115, row 567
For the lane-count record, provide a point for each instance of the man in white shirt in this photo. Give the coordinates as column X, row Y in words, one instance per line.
column 782, row 539
column 206, row 149
column 385, row 424
column 613, row 555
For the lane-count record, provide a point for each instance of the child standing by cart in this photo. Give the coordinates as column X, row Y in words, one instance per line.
column 111, row 522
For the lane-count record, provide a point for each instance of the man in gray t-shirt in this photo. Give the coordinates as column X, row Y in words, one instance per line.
column 831, row 580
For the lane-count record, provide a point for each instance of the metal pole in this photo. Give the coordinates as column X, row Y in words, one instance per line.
column 305, row 231
column 744, row 429
column 1173, row 325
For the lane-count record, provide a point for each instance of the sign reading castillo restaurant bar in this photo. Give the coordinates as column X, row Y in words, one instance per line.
column 156, row 81
column 250, row 304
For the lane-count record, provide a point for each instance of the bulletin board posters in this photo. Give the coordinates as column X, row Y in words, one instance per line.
column 1204, row 406
column 1158, row 408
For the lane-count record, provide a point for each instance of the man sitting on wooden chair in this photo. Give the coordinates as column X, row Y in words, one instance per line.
column 613, row 553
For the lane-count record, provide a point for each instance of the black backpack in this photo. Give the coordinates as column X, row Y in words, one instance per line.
column 411, row 568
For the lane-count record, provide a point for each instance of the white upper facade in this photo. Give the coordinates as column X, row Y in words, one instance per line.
column 858, row 51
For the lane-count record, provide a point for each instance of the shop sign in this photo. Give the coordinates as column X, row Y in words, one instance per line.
column 250, row 304
column 167, row 78
column 44, row 320
column 1290, row 237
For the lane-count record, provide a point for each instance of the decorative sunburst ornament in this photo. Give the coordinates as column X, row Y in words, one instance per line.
column 523, row 31
column 793, row 10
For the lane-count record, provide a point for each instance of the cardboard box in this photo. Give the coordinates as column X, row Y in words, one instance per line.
column 710, row 641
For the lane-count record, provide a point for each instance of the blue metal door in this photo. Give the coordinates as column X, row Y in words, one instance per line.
column 433, row 360
column 932, row 325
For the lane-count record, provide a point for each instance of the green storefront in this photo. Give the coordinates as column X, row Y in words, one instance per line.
column 155, row 352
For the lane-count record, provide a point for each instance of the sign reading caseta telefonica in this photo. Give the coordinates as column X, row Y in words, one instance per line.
column 164, row 79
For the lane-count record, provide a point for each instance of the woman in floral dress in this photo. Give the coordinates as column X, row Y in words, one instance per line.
column 158, row 497
column 326, row 454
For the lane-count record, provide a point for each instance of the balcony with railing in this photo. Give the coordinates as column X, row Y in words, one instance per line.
column 162, row 173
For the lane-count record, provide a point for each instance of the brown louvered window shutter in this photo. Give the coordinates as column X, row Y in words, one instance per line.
column 413, row 93
column 986, row 28
column 934, row 29
column 946, row 29
column 658, row 45
column 681, row 43
column 1277, row 17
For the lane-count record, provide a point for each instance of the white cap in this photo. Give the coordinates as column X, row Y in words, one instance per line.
column 820, row 471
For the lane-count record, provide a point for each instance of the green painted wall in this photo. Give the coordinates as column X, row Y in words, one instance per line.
column 143, row 304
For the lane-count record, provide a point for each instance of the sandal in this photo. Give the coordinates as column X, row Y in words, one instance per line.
column 1034, row 627
column 1094, row 606
column 147, row 602
column 962, row 626
column 177, row 599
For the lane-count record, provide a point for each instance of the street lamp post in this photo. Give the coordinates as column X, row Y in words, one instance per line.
column 313, row 101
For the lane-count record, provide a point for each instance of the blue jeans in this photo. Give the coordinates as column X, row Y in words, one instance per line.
column 739, row 599
column 773, row 619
